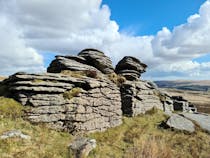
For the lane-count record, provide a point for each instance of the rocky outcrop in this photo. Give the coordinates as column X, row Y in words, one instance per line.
column 84, row 94
column 180, row 123
column 181, row 104
column 68, row 103
column 131, row 68
column 139, row 97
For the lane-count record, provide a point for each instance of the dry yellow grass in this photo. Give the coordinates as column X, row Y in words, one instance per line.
column 140, row 137
column 44, row 143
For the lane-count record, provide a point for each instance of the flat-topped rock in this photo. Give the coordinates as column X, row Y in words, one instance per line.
column 131, row 68
column 98, row 60
column 180, row 123
column 203, row 120
column 72, row 63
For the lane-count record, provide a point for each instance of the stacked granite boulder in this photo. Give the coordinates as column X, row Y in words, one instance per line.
column 138, row 96
column 97, row 59
column 131, row 68
column 87, row 60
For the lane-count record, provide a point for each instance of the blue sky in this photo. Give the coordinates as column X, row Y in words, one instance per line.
column 171, row 37
column 147, row 17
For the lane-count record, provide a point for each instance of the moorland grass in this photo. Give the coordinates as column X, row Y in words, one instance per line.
column 138, row 137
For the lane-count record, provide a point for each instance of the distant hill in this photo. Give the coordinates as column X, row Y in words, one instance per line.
column 203, row 85
column 2, row 78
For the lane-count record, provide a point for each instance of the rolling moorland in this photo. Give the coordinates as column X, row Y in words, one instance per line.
column 197, row 92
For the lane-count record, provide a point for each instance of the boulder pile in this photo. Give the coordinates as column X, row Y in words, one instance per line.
column 78, row 95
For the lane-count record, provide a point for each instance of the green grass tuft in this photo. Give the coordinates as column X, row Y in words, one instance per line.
column 117, row 79
column 72, row 93
column 9, row 108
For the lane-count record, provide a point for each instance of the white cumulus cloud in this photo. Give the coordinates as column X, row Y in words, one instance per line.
column 67, row 26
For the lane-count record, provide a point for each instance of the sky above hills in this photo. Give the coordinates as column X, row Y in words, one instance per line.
column 171, row 37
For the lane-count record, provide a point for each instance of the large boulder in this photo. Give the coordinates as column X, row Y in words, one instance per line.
column 130, row 67
column 203, row 120
column 71, row 63
column 178, row 122
column 81, row 147
column 98, row 60
column 67, row 103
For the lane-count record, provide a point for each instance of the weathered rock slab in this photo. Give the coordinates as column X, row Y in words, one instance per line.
column 203, row 120
column 181, row 123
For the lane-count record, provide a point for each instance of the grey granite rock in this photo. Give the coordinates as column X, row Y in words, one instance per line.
column 130, row 67
column 81, row 147
column 203, row 120
column 68, row 103
column 14, row 134
column 179, row 122
column 75, row 63
column 138, row 97
column 97, row 59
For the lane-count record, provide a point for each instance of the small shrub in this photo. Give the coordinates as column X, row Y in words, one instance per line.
column 76, row 74
column 72, row 93
column 37, row 81
column 117, row 79
column 152, row 111
column 9, row 108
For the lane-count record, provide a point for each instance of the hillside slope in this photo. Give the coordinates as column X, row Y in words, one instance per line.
column 136, row 137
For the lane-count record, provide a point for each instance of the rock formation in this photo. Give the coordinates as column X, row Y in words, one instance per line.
column 181, row 104
column 87, row 60
column 68, row 103
column 138, row 96
column 78, row 95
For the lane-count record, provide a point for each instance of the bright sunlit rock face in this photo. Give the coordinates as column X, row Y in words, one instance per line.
column 31, row 28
